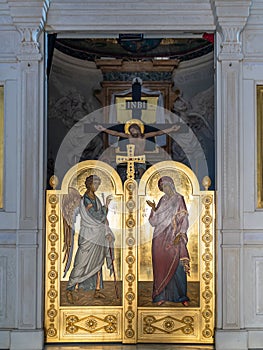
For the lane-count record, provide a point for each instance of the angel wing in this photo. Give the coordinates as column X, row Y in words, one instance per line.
column 70, row 208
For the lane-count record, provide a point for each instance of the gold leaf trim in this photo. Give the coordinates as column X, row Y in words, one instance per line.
column 168, row 325
column 207, row 275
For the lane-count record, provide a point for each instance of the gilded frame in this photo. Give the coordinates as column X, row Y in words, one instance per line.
column 259, row 135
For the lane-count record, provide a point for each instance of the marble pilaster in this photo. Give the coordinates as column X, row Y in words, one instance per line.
column 230, row 21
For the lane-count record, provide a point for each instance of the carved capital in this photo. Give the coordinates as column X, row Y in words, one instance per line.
column 29, row 43
column 231, row 46
column 29, row 26
column 231, row 17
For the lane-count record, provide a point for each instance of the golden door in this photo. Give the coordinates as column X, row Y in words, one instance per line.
column 123, row 310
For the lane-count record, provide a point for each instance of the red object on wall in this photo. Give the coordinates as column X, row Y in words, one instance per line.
column 209, row 37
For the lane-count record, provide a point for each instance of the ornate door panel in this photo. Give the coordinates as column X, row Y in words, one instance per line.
column 81, row 317
column 125, row 311
column 174, row 321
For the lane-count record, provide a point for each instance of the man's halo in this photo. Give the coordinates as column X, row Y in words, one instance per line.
column 133, row 121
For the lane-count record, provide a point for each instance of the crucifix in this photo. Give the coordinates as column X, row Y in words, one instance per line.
column 136, row 104
column 130, row 159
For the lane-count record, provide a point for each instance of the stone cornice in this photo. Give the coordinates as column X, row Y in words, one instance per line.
column 5, row 18
column 126, row 16
column 229, row 17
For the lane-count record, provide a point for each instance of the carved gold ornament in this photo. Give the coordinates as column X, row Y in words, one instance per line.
column 129, row 321
column 91, row 324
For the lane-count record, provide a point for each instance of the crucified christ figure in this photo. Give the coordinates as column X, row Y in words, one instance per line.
column 136, row 136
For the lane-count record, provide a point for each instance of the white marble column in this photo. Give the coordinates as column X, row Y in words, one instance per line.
column 231, row 18
column 28, row 333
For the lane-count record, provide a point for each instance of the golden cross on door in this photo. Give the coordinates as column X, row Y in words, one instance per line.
column 130, row 159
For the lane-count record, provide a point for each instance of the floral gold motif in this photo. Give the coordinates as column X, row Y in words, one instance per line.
column 207, row 332
column 130, row 204
column 207, row 313
column 207, row 275
column 130, row 296
column 53, row 218
column 130, row 186
column 53, row 199
column 91, row 324
column 52, row 314
column 168, row 324
column 130, row 277
column 130, row 241
column 51, row 332
column 130, row 222
column 130, row 269
column 130, row 259
column 53, row 256
column 129, row 333
column 207, row 219
column 129, row 314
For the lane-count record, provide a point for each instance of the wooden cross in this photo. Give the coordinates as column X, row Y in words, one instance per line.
column 130, row 159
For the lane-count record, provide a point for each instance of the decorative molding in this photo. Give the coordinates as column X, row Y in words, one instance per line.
column 255, row 18
column 208, row 265
column 130, row 282
column 230, row 143
column 231, row 283
column 29, row 144
column 27, row 257
column 52, row 246
column 258, row 261
column 7, row 286
column 6, row 22
column 253, row 308
column 168, row 325
column 145, row 76
column 3, row 286
column 91, row 324
column 143, row 15
column 29, row 12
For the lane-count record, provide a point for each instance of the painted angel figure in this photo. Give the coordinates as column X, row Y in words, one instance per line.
column 95, row 242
